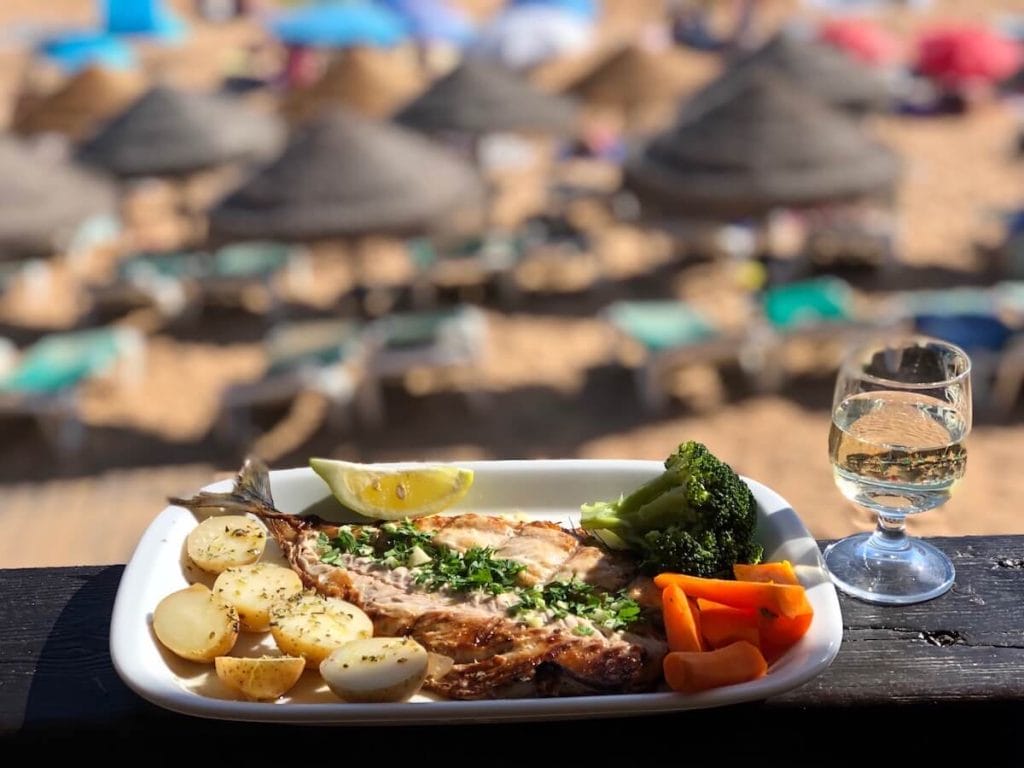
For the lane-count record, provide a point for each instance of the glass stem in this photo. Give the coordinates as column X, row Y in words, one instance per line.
column 890, row 533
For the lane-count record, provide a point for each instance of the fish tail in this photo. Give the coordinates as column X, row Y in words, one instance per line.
column 251, row 493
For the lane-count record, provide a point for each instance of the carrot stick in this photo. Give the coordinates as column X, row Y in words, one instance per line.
column 779, row 599
column 679, row 625
column 689, row 672
column 695, row 612
column 783, row 630
column 777, row 632
column 722, row 625
column 780, row 572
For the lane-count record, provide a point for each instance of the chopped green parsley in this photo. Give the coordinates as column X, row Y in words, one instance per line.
column 437, row 567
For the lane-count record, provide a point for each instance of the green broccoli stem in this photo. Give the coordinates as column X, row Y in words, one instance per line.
column 670, row 508
column 604, row 516
column 630, row 504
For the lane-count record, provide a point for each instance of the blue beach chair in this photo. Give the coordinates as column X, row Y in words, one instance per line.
column 665, row 337
column 45, row 380
column 450, row 340
column 326, row 357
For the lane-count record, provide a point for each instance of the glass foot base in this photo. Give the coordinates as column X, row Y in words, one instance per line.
column 912, row 574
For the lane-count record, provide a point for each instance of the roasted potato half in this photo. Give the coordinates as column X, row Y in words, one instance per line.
column 253, row 589
column 263, row 679
column 226, row 541
column 376, row 669
column 311, row 626
column 196, row 624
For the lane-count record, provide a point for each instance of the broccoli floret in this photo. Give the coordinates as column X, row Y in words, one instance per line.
column 697, row 517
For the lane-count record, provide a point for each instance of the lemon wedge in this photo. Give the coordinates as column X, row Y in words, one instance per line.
column 394, row 493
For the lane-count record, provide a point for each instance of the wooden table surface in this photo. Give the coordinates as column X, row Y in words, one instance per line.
column 927, row 676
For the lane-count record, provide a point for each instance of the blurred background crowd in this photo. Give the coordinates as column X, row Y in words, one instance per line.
column 471, row 229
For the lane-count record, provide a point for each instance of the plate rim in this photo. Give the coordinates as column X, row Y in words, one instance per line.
column 159, row 686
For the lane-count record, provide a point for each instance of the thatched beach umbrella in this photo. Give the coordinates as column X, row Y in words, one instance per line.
column 345, row 176
column 478, row 97
column 83, row 102
column 764, row 145
column 43, row 201
column 643, row 86
column 814, row 67
column 371, row 81
column 175, row 133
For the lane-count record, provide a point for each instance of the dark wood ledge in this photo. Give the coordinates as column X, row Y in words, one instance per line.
column 931, row 677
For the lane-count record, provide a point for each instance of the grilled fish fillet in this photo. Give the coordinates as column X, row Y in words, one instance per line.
column 495, row 655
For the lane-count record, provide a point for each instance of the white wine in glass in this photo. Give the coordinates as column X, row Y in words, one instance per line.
column 901, row 414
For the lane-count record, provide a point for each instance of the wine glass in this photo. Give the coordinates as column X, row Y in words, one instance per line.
column 900, row 416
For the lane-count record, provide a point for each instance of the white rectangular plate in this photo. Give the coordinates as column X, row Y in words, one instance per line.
column 543, row 490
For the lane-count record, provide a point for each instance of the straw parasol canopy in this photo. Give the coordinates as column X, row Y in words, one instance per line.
column 479, row 97
column 345, row 176
column 168, row 132
column 814, row 67
column 83, row 102
column 43, row 201
column 763, row 146
column 642, row 85
column 371, row 81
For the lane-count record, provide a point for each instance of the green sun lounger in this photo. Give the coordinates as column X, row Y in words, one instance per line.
column 671, row 335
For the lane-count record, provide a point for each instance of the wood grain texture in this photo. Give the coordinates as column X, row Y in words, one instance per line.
column 928, row 667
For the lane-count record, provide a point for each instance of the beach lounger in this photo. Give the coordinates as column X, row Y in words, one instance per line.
column 166, row 281
column 234, row 270
column 322, row 356
column 669, row 335
column 474, row 262
column 1009, row 376
column 176, row 282
column 8, row 356
column 982, row 322
column 96, row 232
column 820, row 310
column 438, row 341
column 44, row 381
column 33, row 274
column 1011, row 252
column 986, row 339
column 557, row 257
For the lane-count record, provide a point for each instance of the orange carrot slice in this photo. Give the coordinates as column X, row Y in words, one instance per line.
column 679, row 625
column 783, row 630
column 779, row 599
column 780, row 572
column 689, row 672
column 723, row 625
column 695, row 613
column 777, row 632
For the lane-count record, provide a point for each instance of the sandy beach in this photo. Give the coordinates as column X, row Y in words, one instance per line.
column 555, row 386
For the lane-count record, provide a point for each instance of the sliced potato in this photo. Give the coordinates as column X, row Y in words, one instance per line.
column 196, row 624
column 226, row 541
column 312, row 626
column 264, row 679
column 254, row 588
column 376, row 669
